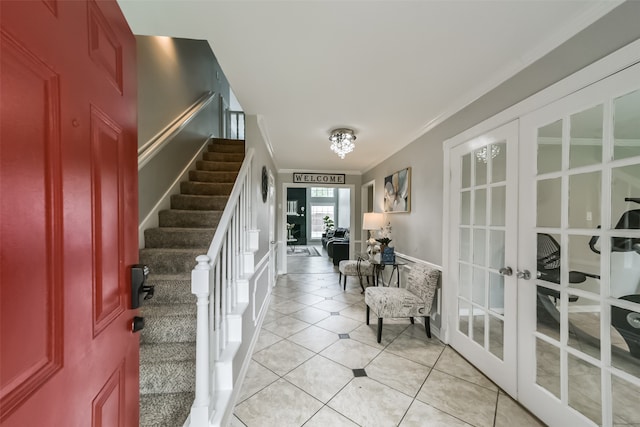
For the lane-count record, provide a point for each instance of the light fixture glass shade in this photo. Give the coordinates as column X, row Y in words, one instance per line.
column 342, row 141
column 372, row 221
column 483, row 154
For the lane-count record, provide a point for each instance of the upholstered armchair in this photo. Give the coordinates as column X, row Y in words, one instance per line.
column 413, row 300
column 360, row 268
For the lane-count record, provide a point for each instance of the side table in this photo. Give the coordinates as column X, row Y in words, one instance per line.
column 378, row 266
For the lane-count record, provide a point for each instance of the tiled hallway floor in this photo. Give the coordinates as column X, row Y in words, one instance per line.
column 304, row 370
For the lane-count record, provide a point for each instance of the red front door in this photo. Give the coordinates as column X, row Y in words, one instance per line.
column 68, row 215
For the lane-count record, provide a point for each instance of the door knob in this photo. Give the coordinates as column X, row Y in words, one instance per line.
column 506, row 271
column 525, row 274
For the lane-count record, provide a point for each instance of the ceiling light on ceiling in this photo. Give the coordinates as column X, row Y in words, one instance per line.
column 342, row 141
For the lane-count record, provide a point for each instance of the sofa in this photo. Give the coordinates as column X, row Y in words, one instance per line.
column 337, row 244
column 334, row 233
column 338, row 250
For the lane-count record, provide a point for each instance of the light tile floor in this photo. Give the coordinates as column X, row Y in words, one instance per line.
column 302, row 369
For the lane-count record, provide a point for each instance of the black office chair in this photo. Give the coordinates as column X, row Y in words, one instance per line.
column 548, row 264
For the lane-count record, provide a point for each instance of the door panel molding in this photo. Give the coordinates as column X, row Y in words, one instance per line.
column 33, row 226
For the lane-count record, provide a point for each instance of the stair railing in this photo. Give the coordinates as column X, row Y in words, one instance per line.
column 214, row 282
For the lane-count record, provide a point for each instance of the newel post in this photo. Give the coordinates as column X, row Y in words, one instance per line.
column 200, row 288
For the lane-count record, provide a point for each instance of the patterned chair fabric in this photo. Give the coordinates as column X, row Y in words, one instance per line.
column 355, row 268
column 414, row 300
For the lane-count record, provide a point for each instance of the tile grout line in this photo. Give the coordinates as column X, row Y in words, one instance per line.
column 348, row 305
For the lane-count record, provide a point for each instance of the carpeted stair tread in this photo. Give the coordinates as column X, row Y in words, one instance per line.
column 213, row 176
column 170, row 261
column 168, row 323
column 189, row 218
column 203, row 165
column 226, row 146
column 168, row 352
column 178, row 276
column 170, row 290
column 178, row 237
column 222, row 157
column 167, row 310
column 167, row 377
column 206, row 188
column 165, row 410
column 198, row 202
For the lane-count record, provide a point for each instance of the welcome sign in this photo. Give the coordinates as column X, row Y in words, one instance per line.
column 319, row 178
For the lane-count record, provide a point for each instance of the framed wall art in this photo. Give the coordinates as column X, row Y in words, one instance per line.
column 397, row 192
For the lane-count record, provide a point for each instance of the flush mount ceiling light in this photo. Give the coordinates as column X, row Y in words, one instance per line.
column 342, row 141
column 482, row 154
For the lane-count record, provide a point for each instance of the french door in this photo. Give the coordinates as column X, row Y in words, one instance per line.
column 544, row 258
column 579, row 320
column 483, row 210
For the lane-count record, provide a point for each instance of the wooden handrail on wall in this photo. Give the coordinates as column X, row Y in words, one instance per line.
column 153, row 146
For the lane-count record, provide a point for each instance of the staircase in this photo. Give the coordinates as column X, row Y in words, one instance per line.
column 167, row 350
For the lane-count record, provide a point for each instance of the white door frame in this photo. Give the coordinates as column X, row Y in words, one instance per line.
column 282, row 258
column 611, row 64
column 364, row 203
column 273, row 254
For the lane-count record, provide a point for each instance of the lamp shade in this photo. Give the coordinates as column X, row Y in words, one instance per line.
column 372, row 221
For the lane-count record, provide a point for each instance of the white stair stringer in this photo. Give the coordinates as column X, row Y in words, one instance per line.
column 242, row 288
column 248, row 261
column 234, row 323
column 225, row 399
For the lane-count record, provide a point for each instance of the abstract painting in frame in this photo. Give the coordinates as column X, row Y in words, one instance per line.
column 397, row 191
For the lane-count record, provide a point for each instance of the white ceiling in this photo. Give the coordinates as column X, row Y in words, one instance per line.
column 390, row 70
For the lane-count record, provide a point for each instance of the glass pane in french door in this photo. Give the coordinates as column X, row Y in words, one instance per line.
column 587, row 279
column 482, row 246
column 483, row 229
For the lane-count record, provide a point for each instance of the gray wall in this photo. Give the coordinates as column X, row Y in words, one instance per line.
column 419, row 233
column 259, row 284
column 262, row 157
column 172, row 75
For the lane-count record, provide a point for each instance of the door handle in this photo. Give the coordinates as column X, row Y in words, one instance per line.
column 505, row 271
column 137, row 324
column 525, row 274
column 139, row 274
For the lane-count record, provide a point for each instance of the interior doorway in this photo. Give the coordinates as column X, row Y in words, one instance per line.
column 303, row 216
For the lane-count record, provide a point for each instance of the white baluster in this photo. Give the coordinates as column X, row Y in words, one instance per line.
column 200, row 288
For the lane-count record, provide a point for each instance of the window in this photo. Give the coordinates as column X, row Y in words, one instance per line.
column 322, row 192
column 318, row 212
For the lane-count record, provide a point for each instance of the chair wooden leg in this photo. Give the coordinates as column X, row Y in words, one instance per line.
column 412, row 322
column 368, row 310
column 379, row 329
column 427, row 326
column 340, row 278
column 345, row 282
column 361, row 285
